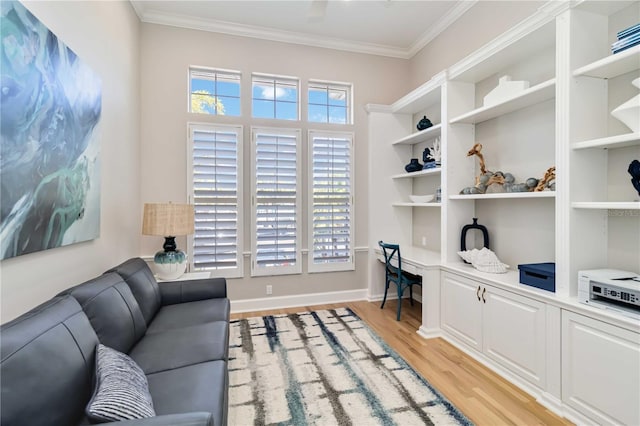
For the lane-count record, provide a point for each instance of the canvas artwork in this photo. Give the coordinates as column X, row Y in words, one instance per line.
column 49, row 151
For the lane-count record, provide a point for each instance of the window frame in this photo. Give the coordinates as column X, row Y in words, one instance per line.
column 336, row 85
column 214, row 71
column 276, row 79
column 276, row 270
column 238, row 270
column 313, row 267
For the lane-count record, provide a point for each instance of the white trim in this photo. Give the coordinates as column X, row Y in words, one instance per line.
column 427, row 333
column 301, row 300
column 243, row 30
column 438, row 27
column 369, row 108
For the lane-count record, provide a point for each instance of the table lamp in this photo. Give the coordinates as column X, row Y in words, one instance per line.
column 168, row 221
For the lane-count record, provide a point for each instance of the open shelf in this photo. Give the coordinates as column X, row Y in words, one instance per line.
column 613, row 65
column 617, row 141
column 533, row 95
column 504, row 195
column 421, row 136
column 421, row 98
column 416, row 204
column 427, row 172
column 607, row 205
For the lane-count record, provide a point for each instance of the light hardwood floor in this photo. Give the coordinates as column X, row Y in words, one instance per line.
column 483, row 396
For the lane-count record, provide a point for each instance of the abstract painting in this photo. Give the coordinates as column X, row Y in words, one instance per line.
column 49, row 149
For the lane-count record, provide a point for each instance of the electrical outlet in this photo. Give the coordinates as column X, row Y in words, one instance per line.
column 269, row 289
column 424, row 240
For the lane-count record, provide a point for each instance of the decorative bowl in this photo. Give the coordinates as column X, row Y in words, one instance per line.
column 421, row 198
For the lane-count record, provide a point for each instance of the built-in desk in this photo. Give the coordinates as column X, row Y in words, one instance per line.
column 414, row 259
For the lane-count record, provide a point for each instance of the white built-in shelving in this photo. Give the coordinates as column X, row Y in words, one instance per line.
column 607, row 205
column 617, row 141
column 421, row 136
column 416, row 204
column 425, row 172
column 590, row 221
column 531, row 96
column 612, row 65
column 504, row 196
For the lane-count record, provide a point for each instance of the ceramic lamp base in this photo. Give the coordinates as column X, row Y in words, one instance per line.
column 170, row 265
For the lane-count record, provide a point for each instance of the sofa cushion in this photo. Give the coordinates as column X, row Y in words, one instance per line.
column 47, row 365
column 199, row 387
column 112, row 310
column 143, row 285
column 191, row 313
column 181, row 347
column 121, row 390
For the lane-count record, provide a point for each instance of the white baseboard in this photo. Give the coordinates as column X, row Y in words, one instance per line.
column 266, row 303
column 429, row 333
column 394, row 296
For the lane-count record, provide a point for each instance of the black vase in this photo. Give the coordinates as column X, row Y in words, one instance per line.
column 425, row 123
column 413, row 166
column 467, row 228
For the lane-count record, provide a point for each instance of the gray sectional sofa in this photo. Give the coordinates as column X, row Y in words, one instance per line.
column 177, row 332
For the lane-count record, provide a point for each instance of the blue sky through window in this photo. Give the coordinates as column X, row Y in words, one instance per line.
column 274, row 98
column 226, row 88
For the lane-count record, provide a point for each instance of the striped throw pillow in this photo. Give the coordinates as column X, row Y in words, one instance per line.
column 121, row 391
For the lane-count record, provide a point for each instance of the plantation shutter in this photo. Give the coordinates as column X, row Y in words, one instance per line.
column 331, row 202
column 216, row 197
column 276, row 203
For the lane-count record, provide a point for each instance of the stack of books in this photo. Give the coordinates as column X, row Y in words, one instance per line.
column 627, row 38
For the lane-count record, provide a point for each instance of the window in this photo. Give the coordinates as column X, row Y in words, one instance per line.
column 216, row 187
column 329, row 102
column 275, row 97
column 276, row 198
column 330, row 201
column 214, row 92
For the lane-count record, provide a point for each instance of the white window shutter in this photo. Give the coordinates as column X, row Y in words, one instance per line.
column 276, row 198
column 330, row 202
column 217, row 197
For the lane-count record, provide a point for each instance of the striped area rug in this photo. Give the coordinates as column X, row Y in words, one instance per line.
column 325, row 368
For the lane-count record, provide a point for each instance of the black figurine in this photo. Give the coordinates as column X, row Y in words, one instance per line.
column 427, row 158
column 634, row 171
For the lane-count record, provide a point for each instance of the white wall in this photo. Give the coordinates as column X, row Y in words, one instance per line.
column 106, row 36
column 167, row 53
column 482, row 23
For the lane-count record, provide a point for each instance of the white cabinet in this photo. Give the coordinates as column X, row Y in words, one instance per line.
column 505, row 327
column 600, row 370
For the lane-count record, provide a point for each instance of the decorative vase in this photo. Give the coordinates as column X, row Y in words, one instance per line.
column 425, row 123
column 629, row 112
column 467, row 228
column 413, row 166
column 634, row 171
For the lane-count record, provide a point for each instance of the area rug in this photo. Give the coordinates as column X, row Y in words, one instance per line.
column 325, row 368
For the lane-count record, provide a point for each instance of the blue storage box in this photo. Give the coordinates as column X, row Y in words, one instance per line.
column 540, row 275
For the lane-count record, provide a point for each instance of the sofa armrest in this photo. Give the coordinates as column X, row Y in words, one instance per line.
column 173, row 292
column 183, row 419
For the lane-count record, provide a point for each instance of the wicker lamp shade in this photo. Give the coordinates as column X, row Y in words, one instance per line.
column 168, row 219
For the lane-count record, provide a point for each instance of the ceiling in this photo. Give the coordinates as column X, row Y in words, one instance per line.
column 395, row 28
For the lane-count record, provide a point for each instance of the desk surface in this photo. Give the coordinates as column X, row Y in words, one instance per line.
column 417, row 256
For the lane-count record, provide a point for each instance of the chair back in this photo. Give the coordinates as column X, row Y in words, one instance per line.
column 391, row 251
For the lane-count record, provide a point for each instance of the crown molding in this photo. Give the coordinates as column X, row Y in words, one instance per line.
column 243, row 30
column 443, row 23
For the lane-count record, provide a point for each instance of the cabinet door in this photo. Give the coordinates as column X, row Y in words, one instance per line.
column 461, row 310
column 600, row 370
column 514, row 333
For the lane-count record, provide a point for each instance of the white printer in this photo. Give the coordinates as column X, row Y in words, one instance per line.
column 610, row 289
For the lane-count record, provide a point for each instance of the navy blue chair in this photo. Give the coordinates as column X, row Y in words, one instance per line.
column 395, row 274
